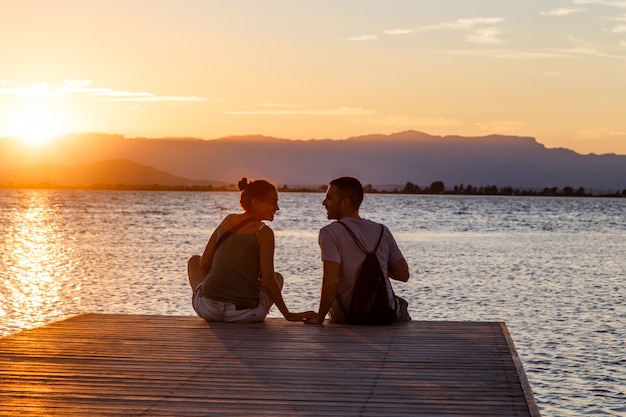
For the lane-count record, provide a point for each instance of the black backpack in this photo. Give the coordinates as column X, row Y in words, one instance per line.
column 370, row 301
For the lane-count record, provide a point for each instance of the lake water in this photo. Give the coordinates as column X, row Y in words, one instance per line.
column 553, row 269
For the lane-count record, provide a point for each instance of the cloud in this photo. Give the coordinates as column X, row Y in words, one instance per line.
column 481, row 29
column 404, row 122
column 583, row 49
column 561, row 12
column 84, row 87
column 578, row 50
column 618, row 29
column 610, row 3
column 599, row 133
column 38, row 90
column 397, row 32
column 362, row 38
column 465, row 24
column 514, row 54
column 341, row 111
column 485, row 36
column 500, row 126
column 81, row 86
column 147, row 98
column 279, row 105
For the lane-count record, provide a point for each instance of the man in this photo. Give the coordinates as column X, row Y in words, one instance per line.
column 342, row 258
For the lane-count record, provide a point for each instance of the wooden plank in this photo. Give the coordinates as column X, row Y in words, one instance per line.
column 172, row 365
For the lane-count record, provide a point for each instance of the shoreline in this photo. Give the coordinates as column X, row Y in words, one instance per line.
column 409, row 189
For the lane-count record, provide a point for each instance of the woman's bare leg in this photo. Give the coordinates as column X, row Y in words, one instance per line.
column 195, row 273
column 279, row 280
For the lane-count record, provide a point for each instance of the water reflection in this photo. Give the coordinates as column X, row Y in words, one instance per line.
column 35, row 258
column 553, row 269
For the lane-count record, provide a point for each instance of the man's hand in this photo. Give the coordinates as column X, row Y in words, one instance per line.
column 316, row 319
column 301, row 316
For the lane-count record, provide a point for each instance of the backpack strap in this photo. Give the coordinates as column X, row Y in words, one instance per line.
column 356, row 240
column 232, row 230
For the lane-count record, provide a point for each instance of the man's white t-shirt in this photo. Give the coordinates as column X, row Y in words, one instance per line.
column 337, row 245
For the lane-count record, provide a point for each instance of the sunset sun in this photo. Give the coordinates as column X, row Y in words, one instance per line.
column 36, row 125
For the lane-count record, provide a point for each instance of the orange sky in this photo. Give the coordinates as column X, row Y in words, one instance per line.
column 554, row 69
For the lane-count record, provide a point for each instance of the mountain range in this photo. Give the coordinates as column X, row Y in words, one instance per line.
column 103, row 173
column 381, row 160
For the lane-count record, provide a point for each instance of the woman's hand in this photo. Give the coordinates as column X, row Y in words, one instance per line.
column 301, row 316
column 315, row 319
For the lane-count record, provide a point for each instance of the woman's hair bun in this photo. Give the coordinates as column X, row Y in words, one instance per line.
column 251, row 190
column 243, row 183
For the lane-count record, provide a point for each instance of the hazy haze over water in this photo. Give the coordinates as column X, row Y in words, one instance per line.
column 553, row 269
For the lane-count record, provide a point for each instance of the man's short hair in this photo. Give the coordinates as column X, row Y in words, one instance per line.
column 351, row 189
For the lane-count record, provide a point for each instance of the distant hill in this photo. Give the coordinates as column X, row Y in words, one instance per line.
column 97, row 174
column 380, row 160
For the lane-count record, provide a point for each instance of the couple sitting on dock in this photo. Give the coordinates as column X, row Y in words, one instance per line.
column 234, row 279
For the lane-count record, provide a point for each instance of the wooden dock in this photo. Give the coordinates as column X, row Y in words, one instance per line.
column 136, row 365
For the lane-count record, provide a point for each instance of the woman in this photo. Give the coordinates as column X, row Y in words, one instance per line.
column 234, row 280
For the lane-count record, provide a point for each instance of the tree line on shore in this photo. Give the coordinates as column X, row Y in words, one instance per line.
column 436, row 187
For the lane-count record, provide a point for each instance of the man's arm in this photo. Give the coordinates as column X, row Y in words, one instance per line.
column 330, row 283
column 399, row 270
